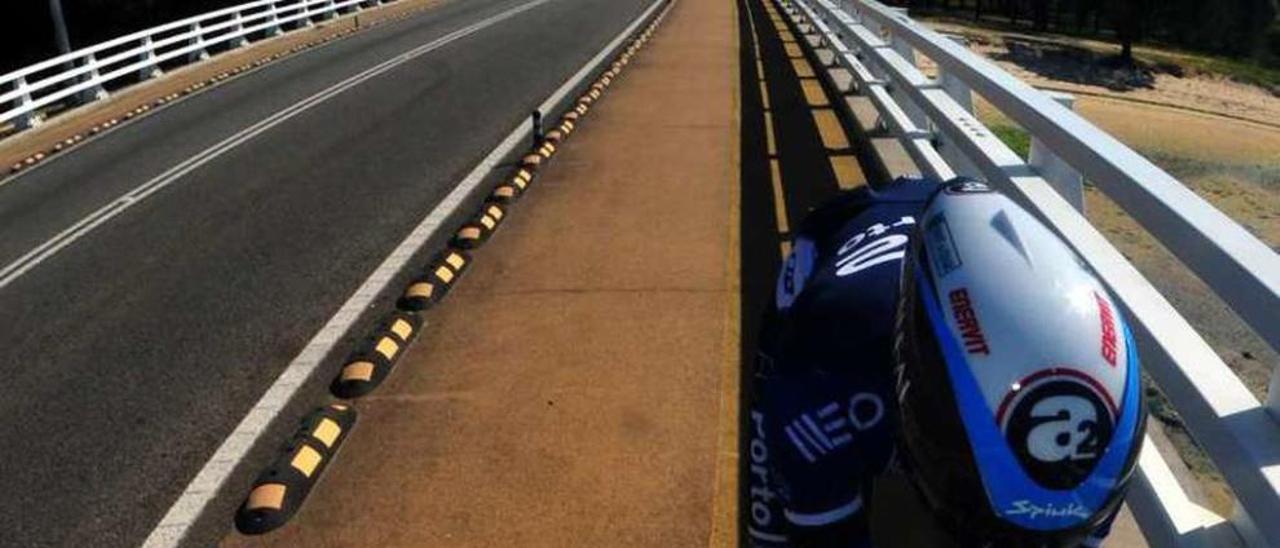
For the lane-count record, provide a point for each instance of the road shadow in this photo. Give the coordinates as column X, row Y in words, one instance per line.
column 804, row 177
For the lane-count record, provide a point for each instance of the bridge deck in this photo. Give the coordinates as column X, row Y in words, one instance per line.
column 571, row 389
column 582, row 384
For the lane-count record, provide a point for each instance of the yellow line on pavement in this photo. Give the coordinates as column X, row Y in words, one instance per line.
column 724, row 509
column 770, row 141
column 779, row 196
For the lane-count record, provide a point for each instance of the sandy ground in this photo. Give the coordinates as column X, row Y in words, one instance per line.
column 1056, row 63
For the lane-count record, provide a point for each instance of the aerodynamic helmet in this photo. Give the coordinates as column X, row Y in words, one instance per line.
column 1017, row 377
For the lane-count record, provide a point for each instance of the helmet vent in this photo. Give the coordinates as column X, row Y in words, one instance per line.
column 1006, row 230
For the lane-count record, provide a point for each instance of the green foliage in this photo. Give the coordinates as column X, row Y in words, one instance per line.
column 1014, row 137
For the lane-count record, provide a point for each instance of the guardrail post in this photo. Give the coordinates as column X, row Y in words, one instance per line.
column 200, row 53
column 954, row 86
column 29, row 119
column 914, row 112
column 241, row 40
column 152, row 70
column 963, row 95
column 274, row 19
column 1273, row 395
column 1244, row 527
column 1064, row 178
column 305, row 22
column 96, row 91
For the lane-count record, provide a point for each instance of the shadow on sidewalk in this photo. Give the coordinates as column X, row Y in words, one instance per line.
column 779, row 187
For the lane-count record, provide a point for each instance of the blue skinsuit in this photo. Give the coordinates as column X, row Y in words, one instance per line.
column 821, row 422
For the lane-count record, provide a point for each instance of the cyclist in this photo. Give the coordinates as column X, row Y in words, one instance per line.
column 943, row 333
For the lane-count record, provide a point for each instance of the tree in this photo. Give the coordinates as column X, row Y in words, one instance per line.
column 1128, row 19
column 1040, row 14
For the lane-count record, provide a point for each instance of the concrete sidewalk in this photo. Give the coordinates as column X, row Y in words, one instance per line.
column 578, row 387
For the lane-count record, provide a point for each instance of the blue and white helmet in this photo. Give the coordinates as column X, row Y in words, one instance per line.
column 1018, row 379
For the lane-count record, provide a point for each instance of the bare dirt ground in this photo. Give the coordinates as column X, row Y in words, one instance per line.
column 1219, row 137
column 1070, row 64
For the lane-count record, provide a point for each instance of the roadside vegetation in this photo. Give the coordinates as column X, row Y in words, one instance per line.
column 1235, row 38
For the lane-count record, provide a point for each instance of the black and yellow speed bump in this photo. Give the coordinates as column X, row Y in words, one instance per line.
column 427, row 290
column 569, row 121
column 504, row 194
column 369, row 366
column 475, row 233
column 522, row 178
column 280, row 490
column 530, row 162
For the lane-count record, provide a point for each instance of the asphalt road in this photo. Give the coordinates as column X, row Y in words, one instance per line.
column 129, row 354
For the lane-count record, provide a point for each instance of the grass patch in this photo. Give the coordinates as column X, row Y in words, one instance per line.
column 1247, row 71
column 1014, row 137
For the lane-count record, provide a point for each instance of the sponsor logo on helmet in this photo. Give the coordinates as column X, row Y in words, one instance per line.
column 1036, row 511
column 942, row 248
column 966, row 187
column 878, row 244
column 1108, row 319
column 975, row 342
column 1058, row 423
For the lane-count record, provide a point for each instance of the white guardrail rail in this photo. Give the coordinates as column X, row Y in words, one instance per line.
column 934, row 120
column 81, row 76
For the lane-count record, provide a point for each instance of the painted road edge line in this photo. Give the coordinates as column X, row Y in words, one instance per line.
column 205, row 487
column 119, row 205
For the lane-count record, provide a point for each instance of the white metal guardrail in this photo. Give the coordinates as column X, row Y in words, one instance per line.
column 934, row 120
column 81, row 75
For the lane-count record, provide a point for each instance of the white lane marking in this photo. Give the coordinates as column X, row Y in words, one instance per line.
column 86, row 225
column 203, row 489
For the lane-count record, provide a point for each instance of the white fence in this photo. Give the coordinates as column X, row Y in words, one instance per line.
column 81, row 76
column 934, row 120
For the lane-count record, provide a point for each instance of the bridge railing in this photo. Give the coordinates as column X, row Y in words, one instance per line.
column 934, row 119
column 83, row 75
